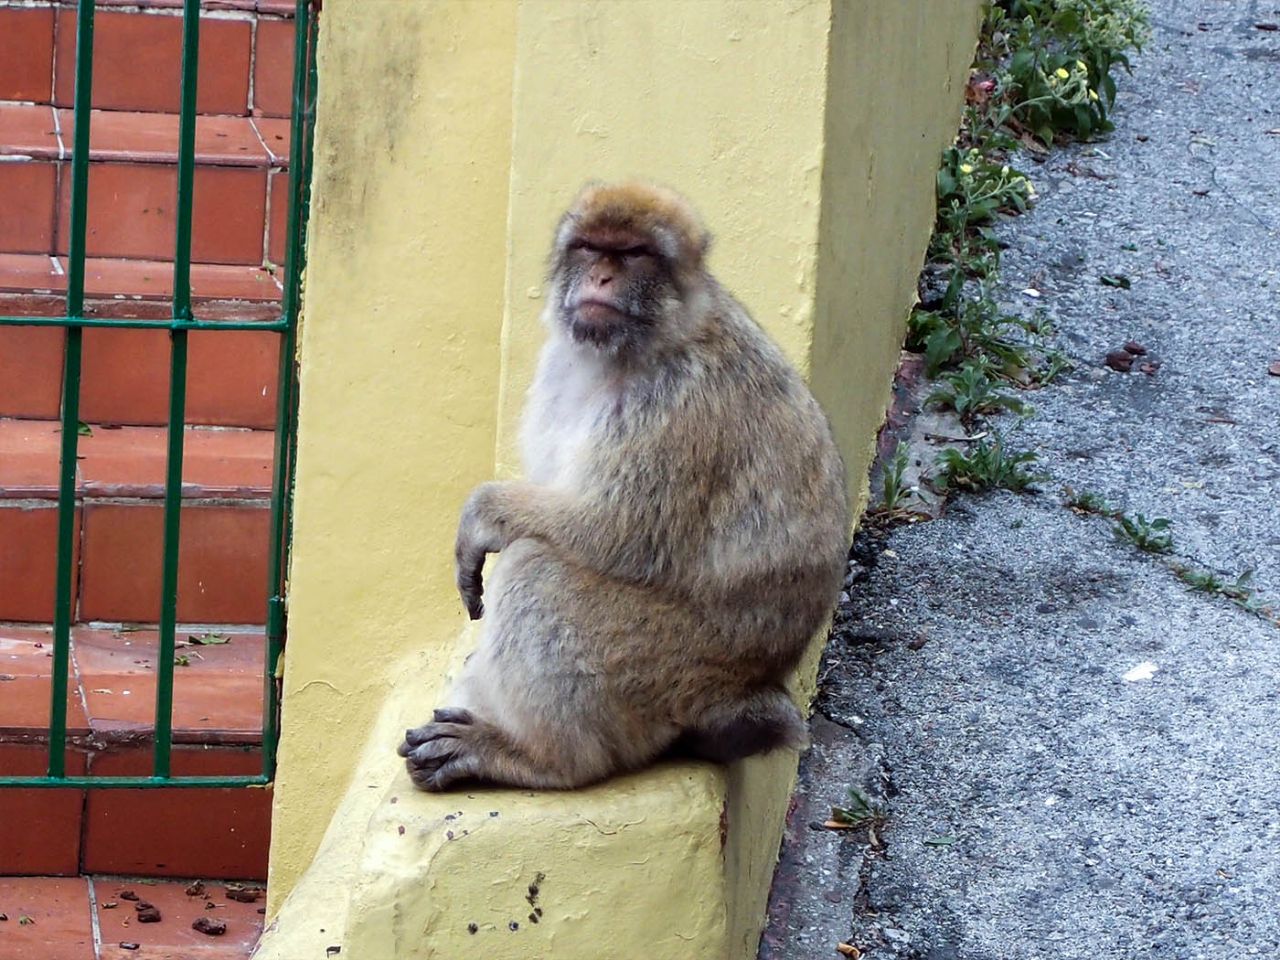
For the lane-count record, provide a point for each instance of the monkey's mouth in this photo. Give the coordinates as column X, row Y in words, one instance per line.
column 599, row 312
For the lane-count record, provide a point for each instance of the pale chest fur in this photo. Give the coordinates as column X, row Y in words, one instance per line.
column 568, row 404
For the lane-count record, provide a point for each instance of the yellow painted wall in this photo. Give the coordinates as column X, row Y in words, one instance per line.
column 722, row 100
column 452, row 132
column 400, row 367
column 894, row 91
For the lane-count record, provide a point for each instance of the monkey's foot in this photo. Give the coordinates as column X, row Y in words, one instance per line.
column 441, row 753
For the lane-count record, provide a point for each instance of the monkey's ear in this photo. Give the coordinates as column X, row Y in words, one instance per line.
column 702, row 244
column 564, row 230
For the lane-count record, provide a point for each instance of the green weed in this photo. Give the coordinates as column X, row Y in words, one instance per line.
column 1151, row 536
column 988, row 465
column 971, row 391
column 1088, row 502
column 895, row 490
column 860, row 811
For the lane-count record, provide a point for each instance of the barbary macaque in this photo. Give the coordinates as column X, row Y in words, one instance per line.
column 679, row 539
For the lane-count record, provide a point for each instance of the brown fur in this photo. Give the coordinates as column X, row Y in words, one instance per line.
column 669, row 559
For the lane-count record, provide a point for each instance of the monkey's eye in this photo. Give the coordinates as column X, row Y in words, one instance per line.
column 640, row 250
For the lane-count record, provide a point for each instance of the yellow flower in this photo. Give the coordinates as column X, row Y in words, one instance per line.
column 1061, row 73
column 1083, row 66
column 966, row 168
column 1093, row 94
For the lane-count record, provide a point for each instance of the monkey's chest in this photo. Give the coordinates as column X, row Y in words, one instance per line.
column 560, row 442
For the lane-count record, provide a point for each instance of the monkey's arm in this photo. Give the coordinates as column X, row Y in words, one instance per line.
column 610, row 541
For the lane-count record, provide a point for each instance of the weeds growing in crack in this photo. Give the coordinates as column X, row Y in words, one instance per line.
column 860, row 810
column 1155, row 536
column 1043, row 73
column 892, row 481
column 1149, row 536
column 988, row 464
column 1238, row 591
column 1088, row 503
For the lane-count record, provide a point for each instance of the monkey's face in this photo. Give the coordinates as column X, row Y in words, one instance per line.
column 614, row 288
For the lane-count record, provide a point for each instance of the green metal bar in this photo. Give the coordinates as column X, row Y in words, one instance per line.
column 186, row 159
column 66, row 553
column 278, row 325
column 254, row 780
column 172, row 533
column 297, row 149
column 177, row 392
column 71, row 396
column 80, row 158
column 303, row 115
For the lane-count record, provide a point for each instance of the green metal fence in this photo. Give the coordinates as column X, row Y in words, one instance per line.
column 179, row 325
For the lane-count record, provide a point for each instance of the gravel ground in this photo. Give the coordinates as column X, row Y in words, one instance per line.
column 1079, row 758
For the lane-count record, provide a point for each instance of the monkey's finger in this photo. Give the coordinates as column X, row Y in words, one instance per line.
column 432, row 731
column 452, row 715
column 434, row 752
column 471, row 588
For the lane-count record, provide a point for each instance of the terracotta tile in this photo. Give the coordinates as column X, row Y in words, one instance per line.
column 26, row 54
column 278, row 227
column 28, row 131
column 28, row 193
column 284, row 8
column 231, row 377
column 42, row 826
column 172, row 938
column 222, row 563
column 132, row 209
column 30, row 372
column 137, row 62
column 27, row 272
column 59, row 907
column 273, row 68
column 153, row 280
column 217, row 697
column 28, row 560
column 29, row 453
column 26, row 657
column 153, row 137
column 276, row 135
column 130, row 462
column 224, row 833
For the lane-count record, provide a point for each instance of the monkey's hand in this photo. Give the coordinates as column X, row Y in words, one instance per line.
column 481, row 530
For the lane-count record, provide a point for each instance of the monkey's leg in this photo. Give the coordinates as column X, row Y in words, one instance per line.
column 563, row 689
column 730, row 731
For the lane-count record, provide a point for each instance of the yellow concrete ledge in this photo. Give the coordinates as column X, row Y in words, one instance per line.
column 672, row 858
column 450, row 135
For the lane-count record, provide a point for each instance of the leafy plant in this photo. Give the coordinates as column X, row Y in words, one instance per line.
column 1152, row 536
column 1044, row 70
column 861, row 810
column 972, row 189
column 1088, row 502
column 971, row 392
column 1201, row 581
column 967, row 324
column 895, row 490
column 988, row 465
column 1057, row 58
